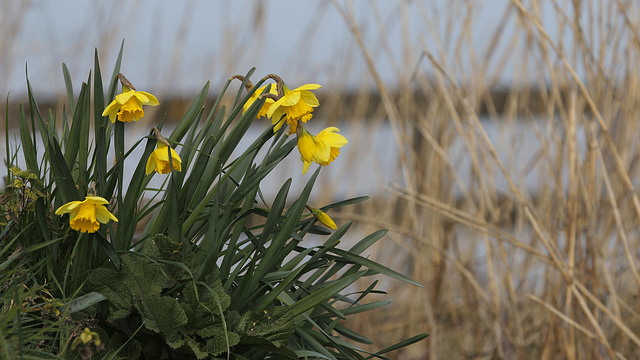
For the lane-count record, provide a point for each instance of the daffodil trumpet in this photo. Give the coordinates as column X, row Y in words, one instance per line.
column 86, row 216
column 163, row 159
column 297, row 105
column 323, row 148
column 127, row 106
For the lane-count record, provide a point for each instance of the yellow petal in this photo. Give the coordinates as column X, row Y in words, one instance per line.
column 305, row 167
column 308, row 87
column 275, row 106
column 175, row 159
column 68, row 207
column 290, row 99
column 306, row 146
column 309, row 98
column 331, row 137
column 277, row 119
column 96, row 200
column 124, row 97
column 322, row 152
column 252, row 99
column 146, row 98
column 103, row 215
column 151, row 163
column 111, row 109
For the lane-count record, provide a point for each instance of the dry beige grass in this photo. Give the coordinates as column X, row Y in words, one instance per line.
column 510, row 272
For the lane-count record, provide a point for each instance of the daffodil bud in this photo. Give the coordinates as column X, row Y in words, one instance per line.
column 324, row 218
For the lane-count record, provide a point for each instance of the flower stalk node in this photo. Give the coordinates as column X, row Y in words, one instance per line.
column 124, row 81
column 278, row 81
column 159, row 136
column 248, row 85
column 269, row 96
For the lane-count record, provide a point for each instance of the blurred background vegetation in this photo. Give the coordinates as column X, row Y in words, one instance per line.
column 497, row 140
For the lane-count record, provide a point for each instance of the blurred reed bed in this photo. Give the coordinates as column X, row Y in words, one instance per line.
column 530, row 251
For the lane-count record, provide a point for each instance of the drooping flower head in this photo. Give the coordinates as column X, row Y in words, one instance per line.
column 86, row 216
column 324, row 218
column 159, row 160
column 87, row 337
column 296, row 104
column 127, row 107
column 322, row 149
column 271, row 89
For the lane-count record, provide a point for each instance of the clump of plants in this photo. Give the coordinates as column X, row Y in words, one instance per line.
column 96, row 263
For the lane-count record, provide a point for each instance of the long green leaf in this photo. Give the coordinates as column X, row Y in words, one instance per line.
column 401, row 344
column 191, row 115
column 357, row 259
column 65, row 184
column 100, row 130
column 28, row 144
column 69, row 85
column 324, row 294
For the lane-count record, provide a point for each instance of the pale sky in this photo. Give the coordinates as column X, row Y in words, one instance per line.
column 176, row 46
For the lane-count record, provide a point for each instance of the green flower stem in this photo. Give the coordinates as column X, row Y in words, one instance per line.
column 119, row 148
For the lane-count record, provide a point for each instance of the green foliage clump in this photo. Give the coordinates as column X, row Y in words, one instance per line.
column 201, row 267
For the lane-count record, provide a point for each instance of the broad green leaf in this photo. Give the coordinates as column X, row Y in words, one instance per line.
column 163, row 315
column 84, row 301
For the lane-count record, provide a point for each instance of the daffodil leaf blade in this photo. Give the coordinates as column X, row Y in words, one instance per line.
column 84, row 109
column 369, row 240
column 113, row 83
column 28, row 144
column 341, row 203
column 403, row 343
column 73, row 141
column 357, row 259
column 108, row 249
column 65, row 185
column 278, row 249
column 324, row 294
column 41, row 216
column 236, row 134
column 191, row 114
column 35, row 113
column 358, row 248
column 100, row 129
column 242, row 87
column 277, row 207
column 352, row 335
column 82, row 302
column 134, row 192
column 69, row 87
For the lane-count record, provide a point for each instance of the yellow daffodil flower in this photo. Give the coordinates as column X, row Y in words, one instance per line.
column 87, row 215
column 324, row 218
column 128, row 105
column 322, row 149
column 273, row 89
column 87, row 337
column 159, row 160
column 296, row 104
